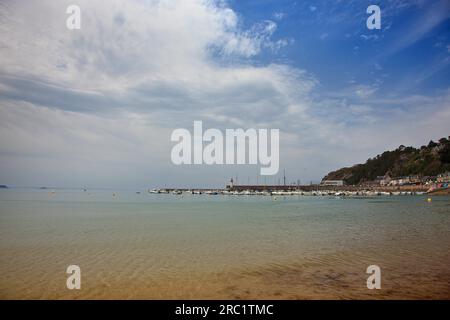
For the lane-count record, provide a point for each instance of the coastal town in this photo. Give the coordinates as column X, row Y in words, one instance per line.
column 381, row 186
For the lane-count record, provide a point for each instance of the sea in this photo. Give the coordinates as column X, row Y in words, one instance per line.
column 131, row 245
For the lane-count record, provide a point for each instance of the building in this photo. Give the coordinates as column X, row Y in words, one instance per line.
column 231, row 185
column 381, row 181
column 400, row 181
column 385, row 180
column 335, row 183
column 410, row 180
column 429, row 179
column 443, row 177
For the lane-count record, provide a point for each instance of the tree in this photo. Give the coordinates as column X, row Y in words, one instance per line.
column 444, row 154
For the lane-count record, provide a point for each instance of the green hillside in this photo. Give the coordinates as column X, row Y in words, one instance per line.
column 428, row 160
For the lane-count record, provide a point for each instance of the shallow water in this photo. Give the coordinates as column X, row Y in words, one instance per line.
column 149, row 246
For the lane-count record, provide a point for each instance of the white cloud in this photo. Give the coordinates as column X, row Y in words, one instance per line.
column 279, row 15
column 166, row 63
column 370, row 37
column 97, row 105
column 365, row 91
column 435, row 14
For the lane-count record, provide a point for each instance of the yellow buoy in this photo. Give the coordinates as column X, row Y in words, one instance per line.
column 429, row 199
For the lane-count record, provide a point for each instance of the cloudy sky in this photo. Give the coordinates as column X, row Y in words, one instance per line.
column 95, row 107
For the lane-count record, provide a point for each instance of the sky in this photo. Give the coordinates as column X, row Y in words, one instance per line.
column 96, row 107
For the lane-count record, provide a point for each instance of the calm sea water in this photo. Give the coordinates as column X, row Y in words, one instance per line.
column 150, row 246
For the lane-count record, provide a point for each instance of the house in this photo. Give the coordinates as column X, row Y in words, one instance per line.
column 335, row 183
column 382, row 180
column 428, row 179
column 443, row 177
column 415, row 179
column 400, row 181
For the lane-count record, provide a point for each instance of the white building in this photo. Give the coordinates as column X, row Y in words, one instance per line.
column 335, row 183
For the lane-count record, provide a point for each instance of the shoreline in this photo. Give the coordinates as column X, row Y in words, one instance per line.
column 440, row 192
column 312, row 190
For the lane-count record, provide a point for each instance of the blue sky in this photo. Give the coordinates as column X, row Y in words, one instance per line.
column 330, row 40
column 409, row 56
column 96, row 107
